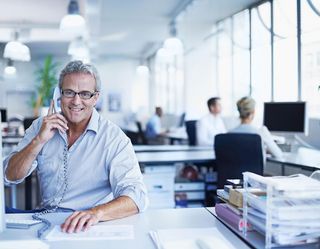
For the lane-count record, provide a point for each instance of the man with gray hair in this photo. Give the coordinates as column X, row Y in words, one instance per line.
column 84, row 162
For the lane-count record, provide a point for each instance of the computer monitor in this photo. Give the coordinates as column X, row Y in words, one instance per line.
column 182, row 119
column 3, row 115
column 2, row 218
column 287, row 117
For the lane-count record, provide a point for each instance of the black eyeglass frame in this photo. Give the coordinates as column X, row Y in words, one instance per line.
column 79, row 93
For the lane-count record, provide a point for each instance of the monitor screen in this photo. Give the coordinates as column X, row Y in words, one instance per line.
column 285, row 116
column 3, row 115
column 2, row 218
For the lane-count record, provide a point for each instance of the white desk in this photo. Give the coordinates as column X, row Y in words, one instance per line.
column 143, row 223
column 169, row 148
column 154, row 158
column 304, row 158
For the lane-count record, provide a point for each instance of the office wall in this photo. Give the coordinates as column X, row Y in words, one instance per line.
column 117, row 78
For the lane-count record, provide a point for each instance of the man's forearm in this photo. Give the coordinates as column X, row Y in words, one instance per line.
column 20, row 163
column 121, row 207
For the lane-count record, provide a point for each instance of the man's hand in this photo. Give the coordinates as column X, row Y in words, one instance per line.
column 50, row 123
column 80, row 221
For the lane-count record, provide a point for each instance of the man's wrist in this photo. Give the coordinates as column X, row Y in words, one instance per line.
column 96, row 211
column 37, row 141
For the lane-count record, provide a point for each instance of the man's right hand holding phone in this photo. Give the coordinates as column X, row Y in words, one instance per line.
column 52, row 122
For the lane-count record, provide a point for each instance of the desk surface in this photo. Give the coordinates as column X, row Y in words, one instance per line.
column 11, row 139
column 142, row 223
column 176, row 157
column 303, row 157
column 170, row 148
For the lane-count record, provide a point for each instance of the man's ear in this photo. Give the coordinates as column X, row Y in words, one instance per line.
column 96, row 97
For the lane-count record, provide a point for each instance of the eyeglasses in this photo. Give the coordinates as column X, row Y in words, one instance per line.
column 83, row 95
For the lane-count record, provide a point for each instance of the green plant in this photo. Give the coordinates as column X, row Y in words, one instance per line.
column 46, row 77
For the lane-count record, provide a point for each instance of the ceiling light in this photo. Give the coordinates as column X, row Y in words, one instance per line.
column 15, row 50
column 142, row 70
column 79, row 50
column 73, row 24
column 10, row 69
column 173, row 44
column 164, row 55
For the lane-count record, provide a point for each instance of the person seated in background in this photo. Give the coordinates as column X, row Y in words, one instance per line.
column 85, row 163
column 246, row 108
column 211, row 124
column 153, row 128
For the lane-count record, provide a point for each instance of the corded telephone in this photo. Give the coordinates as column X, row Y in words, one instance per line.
column 52, row 207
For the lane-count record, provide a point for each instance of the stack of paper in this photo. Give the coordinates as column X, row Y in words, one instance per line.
column 291, row 206
column 190, row 238
column 97, row 232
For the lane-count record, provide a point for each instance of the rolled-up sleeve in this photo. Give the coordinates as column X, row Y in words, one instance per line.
column 125, row 175
column 30, row 134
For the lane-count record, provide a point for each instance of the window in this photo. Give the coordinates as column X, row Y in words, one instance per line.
column 169, row 82
column 261, row 56
column 224, row 66
column 285, row 50
column 310, row 55
column 241, row 56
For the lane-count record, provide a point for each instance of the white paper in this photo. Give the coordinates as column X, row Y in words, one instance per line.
column 25, row 244
column 189, row 238
column 97, row 232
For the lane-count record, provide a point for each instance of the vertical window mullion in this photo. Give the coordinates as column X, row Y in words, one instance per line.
column 250, row 54
column 299, row 64
column 272, row 51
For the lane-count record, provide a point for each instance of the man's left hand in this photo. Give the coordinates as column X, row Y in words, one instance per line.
column 80, row 221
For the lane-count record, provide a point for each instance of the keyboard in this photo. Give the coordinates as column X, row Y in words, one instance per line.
column 21, row 224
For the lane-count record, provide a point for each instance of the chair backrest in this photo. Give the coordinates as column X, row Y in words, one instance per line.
column 237, row 153
column 191, row 131
column 141, row 133
column 27, row 122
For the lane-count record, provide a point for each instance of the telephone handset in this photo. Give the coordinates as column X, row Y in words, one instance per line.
column 57, row 99
column 52, row 207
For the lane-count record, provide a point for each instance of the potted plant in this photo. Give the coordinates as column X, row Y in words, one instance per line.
column 47, row 80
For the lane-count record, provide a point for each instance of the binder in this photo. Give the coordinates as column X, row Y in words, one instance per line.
column 231, row 218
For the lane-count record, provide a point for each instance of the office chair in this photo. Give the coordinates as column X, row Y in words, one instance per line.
column 27, row 122
column 191, row 131
column 142, row 137
column 237, row 153
column 133, row 136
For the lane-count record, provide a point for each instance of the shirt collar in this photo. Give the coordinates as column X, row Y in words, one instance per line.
column 94, row 121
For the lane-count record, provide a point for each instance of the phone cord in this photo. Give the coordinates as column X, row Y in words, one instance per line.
column 52, row 208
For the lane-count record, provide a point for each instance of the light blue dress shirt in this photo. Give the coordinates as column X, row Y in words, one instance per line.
column 153, row 127
column 101, row 165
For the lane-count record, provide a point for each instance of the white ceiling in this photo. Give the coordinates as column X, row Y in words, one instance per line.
column 122, row 28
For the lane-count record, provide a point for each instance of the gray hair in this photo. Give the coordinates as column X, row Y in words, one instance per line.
column 246, row 106
column 80, row 67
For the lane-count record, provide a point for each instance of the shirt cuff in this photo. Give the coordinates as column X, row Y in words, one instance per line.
column 139, row 197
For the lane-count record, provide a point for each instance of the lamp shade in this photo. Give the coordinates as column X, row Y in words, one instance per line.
column 73, row 24
column 79, row 50
column 142, row 70
column 164, row 55
column 10, row 69
column 174, row 45
column 17, row 51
